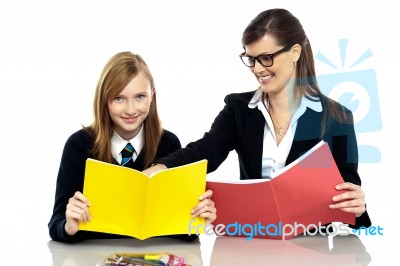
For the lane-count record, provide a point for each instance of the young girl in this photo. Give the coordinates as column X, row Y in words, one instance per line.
column 125, row 119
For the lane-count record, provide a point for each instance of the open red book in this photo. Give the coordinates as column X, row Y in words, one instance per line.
column 293, row 202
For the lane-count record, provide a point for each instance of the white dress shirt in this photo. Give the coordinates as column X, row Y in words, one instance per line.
column 274, row 156
column 118, row 144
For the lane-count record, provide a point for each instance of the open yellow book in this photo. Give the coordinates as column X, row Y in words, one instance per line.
column 127, row 202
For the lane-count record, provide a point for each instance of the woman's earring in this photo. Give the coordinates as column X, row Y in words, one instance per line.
column 295, row 63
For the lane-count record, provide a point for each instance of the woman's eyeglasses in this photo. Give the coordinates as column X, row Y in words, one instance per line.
column 265, row 60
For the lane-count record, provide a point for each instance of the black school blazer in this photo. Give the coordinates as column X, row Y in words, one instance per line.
column 240, row 128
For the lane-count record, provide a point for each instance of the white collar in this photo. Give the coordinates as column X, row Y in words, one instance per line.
column 305, row 102
column 118, row 143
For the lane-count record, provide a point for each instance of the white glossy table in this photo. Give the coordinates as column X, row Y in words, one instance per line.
column 302, row 250
column 89, row 252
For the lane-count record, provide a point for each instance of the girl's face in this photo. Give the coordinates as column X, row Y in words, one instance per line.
column 130, row 108
column 273, row 79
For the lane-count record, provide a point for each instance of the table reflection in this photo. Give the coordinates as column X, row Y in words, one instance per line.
column 89, row 252
column 301, row 250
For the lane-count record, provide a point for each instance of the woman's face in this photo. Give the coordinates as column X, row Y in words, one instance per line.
column 273, row 79
column 130, row 108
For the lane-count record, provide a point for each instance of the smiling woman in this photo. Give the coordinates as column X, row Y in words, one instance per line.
column 283, row 118
column 126, row 130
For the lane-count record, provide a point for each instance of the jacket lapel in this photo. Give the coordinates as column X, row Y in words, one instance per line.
column 307, row 134
column 255, row 135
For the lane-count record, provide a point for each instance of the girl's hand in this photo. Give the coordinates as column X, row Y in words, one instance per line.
column 205, row 208
column 77, row 211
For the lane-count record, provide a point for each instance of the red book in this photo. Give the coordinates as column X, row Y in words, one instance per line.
column 293, row 202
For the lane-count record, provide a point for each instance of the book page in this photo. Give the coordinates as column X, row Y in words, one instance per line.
column 247, row 181
column 117, row 197
column 304, row 191
column 172, row 195
column 242, row 204
column 298, row 160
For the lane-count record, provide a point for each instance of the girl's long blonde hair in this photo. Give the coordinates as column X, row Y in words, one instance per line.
column 116, row 74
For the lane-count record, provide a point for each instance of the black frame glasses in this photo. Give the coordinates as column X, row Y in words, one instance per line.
column 266, row 60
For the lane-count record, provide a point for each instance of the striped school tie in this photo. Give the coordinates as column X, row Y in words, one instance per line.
column 127, row 153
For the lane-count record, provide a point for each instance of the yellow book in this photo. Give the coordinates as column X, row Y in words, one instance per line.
column 127, row 202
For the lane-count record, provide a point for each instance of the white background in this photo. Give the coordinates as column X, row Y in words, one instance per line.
column 52, row 53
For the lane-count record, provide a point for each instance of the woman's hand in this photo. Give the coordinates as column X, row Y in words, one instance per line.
column 77, row 211
column 352, row 200
column 153, row 169
column 205, row 208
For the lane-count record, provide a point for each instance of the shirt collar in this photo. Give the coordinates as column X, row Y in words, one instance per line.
column 118, row 143
column 313, row 104
column 257, row 97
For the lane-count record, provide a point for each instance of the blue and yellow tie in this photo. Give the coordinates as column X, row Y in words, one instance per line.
column 127, row 153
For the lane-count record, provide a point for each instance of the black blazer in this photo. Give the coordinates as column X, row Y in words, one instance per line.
column 240, row 128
